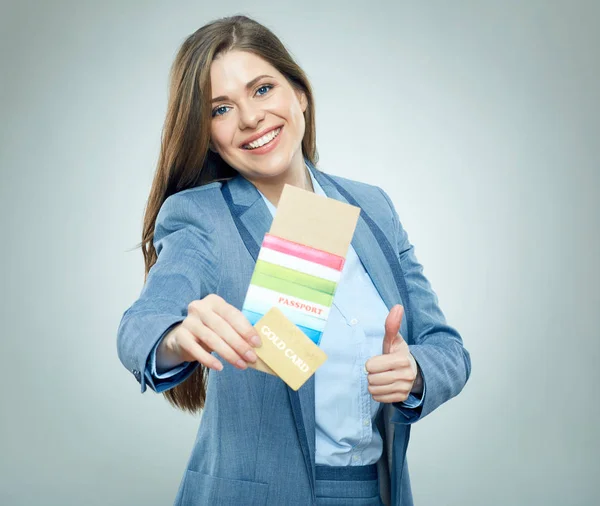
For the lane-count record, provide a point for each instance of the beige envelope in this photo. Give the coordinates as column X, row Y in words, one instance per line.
column 319, row 222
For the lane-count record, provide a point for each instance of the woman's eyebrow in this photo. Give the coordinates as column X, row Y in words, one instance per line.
column 249, row 85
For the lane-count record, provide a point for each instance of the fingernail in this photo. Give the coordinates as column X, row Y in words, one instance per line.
column 241, row 364
column 255, row 340
column 251, row 356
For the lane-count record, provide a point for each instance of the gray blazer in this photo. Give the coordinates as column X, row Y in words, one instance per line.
column 256, row 440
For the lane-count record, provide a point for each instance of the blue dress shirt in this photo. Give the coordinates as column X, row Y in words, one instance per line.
column 344, row 408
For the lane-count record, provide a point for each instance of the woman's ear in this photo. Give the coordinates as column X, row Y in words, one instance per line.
column 302, row 99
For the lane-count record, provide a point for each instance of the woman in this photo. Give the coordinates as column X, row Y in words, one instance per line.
column 240, row 124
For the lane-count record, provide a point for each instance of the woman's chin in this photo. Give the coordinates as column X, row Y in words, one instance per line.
column 269, row 168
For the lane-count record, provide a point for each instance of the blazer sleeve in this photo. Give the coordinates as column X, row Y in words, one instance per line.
column 185, row 270
column 169, row 378
column 437, row 347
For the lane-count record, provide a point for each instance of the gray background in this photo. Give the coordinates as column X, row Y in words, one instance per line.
column 480, row 119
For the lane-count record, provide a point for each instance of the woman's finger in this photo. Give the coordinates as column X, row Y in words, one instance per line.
column 387, row 377
column 226, row 332
column 213, row 342
column 398, row 397
column 237, row 321
column 190, row 350
column 396, row 387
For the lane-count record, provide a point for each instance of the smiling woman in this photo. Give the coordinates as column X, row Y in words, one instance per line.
column 239, row 126
column 257, row 112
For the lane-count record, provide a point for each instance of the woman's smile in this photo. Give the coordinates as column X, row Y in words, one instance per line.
column 264, row 144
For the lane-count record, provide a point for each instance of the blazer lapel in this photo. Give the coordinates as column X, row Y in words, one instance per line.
column 366, row 246
column 376, row 264
column 250, row 209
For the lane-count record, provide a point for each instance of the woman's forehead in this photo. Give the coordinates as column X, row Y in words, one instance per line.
column 233, row 70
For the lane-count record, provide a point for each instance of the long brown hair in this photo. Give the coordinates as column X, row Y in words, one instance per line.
column 185, row 160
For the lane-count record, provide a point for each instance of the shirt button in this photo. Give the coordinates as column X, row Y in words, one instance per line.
column 367, row 422
column 354, row 321
column 355, row 458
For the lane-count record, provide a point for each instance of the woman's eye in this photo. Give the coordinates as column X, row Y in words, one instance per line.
column 265, row 87
column 219, row 111
column 263, row 90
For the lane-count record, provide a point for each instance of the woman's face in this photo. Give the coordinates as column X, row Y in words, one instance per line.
column 257, row 121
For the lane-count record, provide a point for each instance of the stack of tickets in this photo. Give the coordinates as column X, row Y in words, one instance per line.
column 294, row 281
column 299, row 280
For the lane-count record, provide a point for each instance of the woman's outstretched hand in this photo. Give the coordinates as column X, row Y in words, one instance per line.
column 393, row 374
column 211, row 325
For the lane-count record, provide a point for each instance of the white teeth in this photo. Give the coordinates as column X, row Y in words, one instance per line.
column 263, row 140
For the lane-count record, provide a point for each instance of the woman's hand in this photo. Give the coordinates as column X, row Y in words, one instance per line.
column 211, row 325
column 393, row 375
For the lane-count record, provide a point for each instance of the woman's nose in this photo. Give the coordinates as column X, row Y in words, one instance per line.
column 250, row 116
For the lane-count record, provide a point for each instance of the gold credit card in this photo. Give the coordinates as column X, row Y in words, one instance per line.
column 287, row 350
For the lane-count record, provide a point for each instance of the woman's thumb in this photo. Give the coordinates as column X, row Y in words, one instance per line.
column 392, row 327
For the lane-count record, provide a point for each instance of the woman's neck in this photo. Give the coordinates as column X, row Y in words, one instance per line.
column 273, row 187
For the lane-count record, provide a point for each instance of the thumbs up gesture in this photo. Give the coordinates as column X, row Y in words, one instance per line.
column 393, row 374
